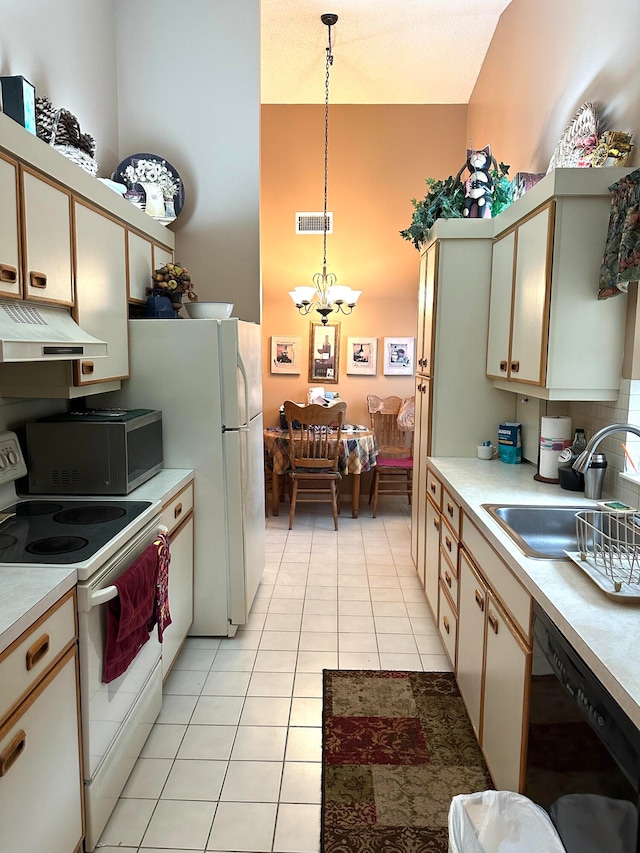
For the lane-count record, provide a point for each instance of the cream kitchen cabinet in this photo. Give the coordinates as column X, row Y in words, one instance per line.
column 35, row 236
column 40, row 758
column 101, row 293
column 144, row 256
column 429, row 569
column 493, row 664
column 549, row 336
column 44, row 257
column 178, row 517
column 10, row 273
column 457, row 407
column 47, row 249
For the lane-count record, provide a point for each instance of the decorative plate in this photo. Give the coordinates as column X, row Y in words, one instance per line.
column 581, row 132
column 153, row 184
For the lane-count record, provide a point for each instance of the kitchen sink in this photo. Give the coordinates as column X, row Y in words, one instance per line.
column 543, row 532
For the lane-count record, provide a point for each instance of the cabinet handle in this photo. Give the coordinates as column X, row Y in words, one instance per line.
column 432, row 486
column 436, row 524
column 419, row 386
column 177, row 511
column 420, row 362
column 13, row 752
column 447, row 542
column 37, row 651
column 8, row 274
column 480, row 600
column 493, row 621
column 425, row 362
column 447, row 578
column 450, row 509
column 38, row 279
column 515, row 366
column 503, row 366
column 445, row 623
column 87, row 368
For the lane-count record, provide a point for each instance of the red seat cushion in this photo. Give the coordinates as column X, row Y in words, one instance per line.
column 394, row 462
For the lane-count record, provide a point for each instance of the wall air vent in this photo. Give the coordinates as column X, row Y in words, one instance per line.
column 311, row 223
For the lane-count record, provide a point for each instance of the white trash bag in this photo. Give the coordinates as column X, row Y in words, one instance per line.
column 500, row 822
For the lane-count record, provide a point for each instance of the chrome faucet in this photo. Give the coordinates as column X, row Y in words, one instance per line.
column 584, row 460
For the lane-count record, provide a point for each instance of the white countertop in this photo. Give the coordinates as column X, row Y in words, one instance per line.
column 27, row 593
column 604, row 632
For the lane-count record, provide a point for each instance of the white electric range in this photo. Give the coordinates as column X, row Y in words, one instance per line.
column 100, row 539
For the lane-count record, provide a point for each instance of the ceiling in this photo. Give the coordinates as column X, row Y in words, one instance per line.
column 385, row 51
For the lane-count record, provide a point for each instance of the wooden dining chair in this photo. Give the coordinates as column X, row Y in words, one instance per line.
column 393, row 472
column 314, row 449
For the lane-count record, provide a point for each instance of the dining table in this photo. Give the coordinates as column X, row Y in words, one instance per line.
column 357, row 454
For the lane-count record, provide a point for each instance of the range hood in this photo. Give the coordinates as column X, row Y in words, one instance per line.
column 43, row 333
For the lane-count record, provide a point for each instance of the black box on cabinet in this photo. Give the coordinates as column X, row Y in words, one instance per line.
column 18, row 101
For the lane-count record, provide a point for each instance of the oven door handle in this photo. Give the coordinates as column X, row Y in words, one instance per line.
column 101, row 596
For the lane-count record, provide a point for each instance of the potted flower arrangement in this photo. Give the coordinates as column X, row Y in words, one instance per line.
column 173, row 281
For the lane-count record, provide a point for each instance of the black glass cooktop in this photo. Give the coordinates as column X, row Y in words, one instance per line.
column 62, row 532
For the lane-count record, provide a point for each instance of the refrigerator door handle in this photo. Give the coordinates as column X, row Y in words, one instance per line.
column 243, row 370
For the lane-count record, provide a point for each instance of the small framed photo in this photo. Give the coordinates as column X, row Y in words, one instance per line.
column 398, row 356
column 324, row 353
column 285, row 354
column 362, row 356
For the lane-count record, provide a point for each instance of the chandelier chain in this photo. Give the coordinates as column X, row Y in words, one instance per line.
column 329, row 63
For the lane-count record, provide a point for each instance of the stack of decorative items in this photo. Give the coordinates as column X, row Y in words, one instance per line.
column 169, row 284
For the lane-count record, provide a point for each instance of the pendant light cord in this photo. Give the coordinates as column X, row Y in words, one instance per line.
column 326, row 147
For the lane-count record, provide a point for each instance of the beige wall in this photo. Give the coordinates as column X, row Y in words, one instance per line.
column 379, row 157
column 546, row 59
column 189, row 90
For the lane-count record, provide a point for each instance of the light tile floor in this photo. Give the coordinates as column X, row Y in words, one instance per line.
column 233, row 761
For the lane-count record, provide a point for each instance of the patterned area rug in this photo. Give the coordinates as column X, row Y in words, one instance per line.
column 396, row 747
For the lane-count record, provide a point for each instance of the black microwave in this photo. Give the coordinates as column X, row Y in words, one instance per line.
column 93, row 452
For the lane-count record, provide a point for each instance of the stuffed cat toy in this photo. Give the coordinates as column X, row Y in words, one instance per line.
column 479, row 185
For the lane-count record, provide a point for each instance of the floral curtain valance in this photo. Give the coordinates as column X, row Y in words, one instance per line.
column 621, row 261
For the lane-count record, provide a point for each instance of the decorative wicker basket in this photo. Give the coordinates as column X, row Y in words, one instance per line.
column 60, row 128
column 569, row 150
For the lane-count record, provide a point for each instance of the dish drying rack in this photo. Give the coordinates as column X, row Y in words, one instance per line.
column 609, row 551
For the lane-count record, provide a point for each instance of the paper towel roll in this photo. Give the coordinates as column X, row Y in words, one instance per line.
column 555, row 435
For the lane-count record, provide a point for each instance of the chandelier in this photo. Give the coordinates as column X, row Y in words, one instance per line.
column 326, row 295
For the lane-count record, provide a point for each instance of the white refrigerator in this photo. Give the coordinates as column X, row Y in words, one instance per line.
column 205, row 376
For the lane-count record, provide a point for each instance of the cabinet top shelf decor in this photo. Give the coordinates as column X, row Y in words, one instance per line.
column 32, row 151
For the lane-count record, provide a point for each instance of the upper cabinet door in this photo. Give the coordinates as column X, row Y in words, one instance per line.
column 47, row 240
column 9, row 231
column 140, row 261
column 161, row 256
column 499, row 339
column 531, row 299
column 101, row 293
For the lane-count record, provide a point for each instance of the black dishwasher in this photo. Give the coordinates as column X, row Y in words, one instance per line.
column 583, row 751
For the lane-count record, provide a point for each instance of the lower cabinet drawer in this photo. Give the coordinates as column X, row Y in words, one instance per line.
column 34, row 652
column 449, row 576
column 448, row 624
column 178, row 509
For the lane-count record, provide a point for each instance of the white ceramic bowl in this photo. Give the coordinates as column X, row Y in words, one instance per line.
column 208, row 310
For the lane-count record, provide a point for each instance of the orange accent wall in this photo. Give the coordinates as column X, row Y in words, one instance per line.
column 379, row 158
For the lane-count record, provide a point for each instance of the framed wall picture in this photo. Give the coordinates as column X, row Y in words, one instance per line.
column 398, row 356
column 285, row 354
column 324, row 353
column 362, row 356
